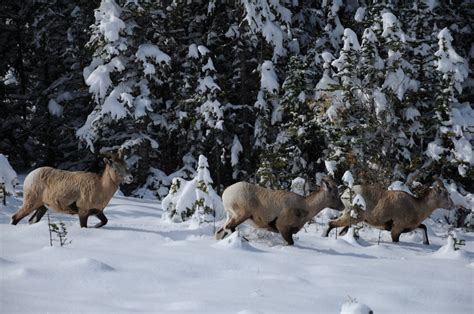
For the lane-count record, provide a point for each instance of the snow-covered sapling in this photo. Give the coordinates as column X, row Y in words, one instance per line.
column 275, row 210
column 8, row 179
column 194, row 199
column 72, row 192
column 60, row 231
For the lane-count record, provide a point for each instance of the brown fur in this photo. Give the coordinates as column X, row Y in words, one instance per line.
column 275, row 210
column 71, row 192
column 395, row 211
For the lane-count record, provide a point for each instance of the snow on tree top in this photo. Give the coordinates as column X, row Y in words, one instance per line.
column 193, row 52
column 269, row 80
column 360, row 14
column 110, row 24
column 235, row 151
column 208, row 66
column 54, row 108
column 448, row 61
column 434, row 150
column 203, row 50
column 202, row 162
column 348, row 179
column 391, row 27
column 113, row 106
column 350, row 40
column 380, row 101
column 330, row 166
column 152, row 51
column 203, row 173
column 207, row 83
column 327, row 56
column 99, row 81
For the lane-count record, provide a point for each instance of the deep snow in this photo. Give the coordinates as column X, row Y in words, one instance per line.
column 140, row 262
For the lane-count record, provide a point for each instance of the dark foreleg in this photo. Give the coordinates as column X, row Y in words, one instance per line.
column 102, row 218
column 83, row 217
column 230, row 225
column 425, row 234
column 24, row 211
column 287, row 234
column 344, row 231
column 395, row 233
column 37, row 215
column 343, row 221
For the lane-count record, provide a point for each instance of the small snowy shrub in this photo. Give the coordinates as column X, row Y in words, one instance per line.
column 8, row 177
column 353, row 307
column 195, row 199
column 59, row 231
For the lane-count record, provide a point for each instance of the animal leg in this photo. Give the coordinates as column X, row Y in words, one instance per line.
column 103, row 219
column 229, row 226
column 287, row 235
column 221, row 232
column 344, row 230
column 83, row 217
column 425, row 234
column 24, row 211
column 37, row 215
column 234, row 222
column 396, row 232
column 343, row 221
column 286, row 230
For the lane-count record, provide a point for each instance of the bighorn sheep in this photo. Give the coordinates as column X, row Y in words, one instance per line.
column 394, row 211
column 277, row 211
column 72, row 192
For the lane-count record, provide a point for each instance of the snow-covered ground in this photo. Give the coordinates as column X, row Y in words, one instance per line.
column 139, row 262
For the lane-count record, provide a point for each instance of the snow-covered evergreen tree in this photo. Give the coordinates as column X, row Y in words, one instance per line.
column 125, row 78
column 195, row 199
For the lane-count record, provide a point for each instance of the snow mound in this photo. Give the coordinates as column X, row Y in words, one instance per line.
column 21, row 273
column 447, row 251
column 248, row 312
column 89, row 264
column 5, row 262
column 354, row 307
column 234, row 242
column 349, row 237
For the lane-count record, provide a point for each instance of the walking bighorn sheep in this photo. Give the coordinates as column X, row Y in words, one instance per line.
column 394, row 211
column 72, row 192
column 277, row 211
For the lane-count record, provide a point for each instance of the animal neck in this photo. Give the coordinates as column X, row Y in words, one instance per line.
column 109, row 185
column 314, row 203
column 426, row 205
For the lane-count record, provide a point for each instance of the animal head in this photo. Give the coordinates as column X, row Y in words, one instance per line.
column 120, row 172
column 439, row 195
column 332, row 193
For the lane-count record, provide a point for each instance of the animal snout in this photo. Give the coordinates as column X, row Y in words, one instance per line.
column 128, row 179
